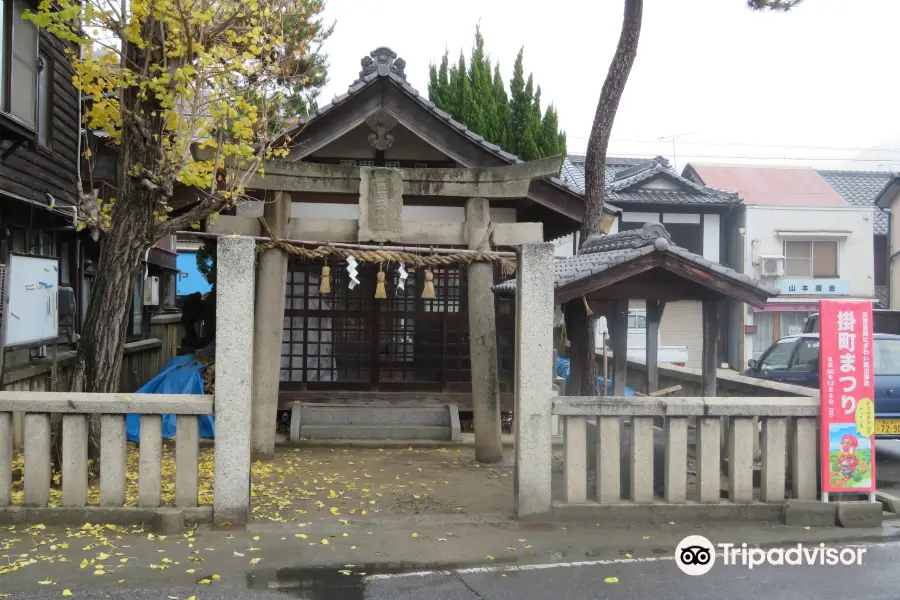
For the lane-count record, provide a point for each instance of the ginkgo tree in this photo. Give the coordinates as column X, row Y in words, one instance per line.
column 195, row 94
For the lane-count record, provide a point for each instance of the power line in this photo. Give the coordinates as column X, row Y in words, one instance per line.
column 747, row 145
column 881, row 161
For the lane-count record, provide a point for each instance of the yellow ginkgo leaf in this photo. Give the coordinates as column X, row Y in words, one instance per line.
column 238, row 554
column 253, row 561
column 67, row 592
column 324, row 542
column 99, row 572
column 627, row 556
column 46, row 582
column 190, row 571
column 255, row 538
column 415, row 535
column 84, row 563
column 647, row 537
column 611, row 580
column 204, row 582
column 300, row 535
column 214, row 576
column 489, row 557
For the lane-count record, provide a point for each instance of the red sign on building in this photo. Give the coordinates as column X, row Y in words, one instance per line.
column 847, row 389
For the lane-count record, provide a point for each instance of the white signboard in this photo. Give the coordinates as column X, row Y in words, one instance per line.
column 31, row 314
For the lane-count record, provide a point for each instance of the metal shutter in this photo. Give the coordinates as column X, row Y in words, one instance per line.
column 682, row 325
column 2, row 297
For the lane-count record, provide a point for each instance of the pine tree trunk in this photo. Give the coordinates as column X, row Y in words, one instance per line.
column 583, row 363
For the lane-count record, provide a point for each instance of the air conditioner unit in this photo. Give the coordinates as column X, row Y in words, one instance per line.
column 151, row 291
column 771, row 266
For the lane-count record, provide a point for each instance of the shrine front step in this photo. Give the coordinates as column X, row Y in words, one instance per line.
column 373, row 422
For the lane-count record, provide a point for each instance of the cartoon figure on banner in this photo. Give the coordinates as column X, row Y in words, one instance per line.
column 851, row 458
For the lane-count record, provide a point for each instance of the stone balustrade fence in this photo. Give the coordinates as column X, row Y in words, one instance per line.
column 112, row 408
column 788, row 448
column 230, row 405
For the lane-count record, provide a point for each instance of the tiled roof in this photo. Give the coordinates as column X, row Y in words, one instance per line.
column 604, row 252
column 383, row 62
column 624, row 177
column 860, row 188
column 768, row 185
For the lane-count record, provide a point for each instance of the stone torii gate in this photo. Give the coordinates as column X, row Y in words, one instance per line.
column 381, row 191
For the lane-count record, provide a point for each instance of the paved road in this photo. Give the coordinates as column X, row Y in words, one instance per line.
column 639, row 579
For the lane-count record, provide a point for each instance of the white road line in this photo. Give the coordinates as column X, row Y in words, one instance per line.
column 516, row 568
column 582, row 563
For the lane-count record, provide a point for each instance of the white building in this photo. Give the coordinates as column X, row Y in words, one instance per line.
column 798, row 234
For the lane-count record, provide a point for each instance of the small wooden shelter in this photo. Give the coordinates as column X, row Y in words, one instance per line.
column 644, row 264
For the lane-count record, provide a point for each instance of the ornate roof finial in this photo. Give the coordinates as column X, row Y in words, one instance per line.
column 383, row 61
column 651, row 234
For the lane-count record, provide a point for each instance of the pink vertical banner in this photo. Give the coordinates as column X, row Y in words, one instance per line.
column 847, row 391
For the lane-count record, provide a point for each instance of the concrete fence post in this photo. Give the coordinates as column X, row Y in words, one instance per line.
column 234, row 352
column 534, row 344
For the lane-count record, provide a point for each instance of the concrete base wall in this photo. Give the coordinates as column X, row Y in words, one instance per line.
column 63, row 516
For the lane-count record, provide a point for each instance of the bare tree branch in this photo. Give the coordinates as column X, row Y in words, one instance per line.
column 781, row 5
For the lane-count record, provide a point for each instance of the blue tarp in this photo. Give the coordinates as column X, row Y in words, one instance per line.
column 182, row 375
column 563, row 369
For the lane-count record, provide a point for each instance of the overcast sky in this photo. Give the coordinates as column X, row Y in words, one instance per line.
column 806, row 87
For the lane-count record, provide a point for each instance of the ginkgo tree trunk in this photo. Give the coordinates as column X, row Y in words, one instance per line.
column 192, row 93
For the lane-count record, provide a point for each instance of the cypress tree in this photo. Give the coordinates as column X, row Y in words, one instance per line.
column 552, row 141
column 439, row 82
column 517, row 106
column 504, row 117
column 481, row 117
column 477, row 98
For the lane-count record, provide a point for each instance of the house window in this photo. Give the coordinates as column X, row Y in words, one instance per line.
column 137, row 307
column 64, row 258
column 19, row 239
column 18, row 63
column 44, row 92
column 637, row 320
column 811, row 259
column 687, row 235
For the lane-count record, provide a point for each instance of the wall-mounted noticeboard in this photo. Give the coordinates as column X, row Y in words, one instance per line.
column 30, row 315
